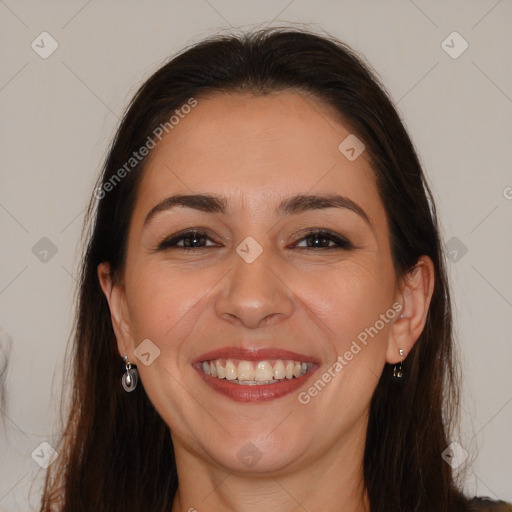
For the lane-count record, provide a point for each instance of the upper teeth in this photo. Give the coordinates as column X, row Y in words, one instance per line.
column 247, row 372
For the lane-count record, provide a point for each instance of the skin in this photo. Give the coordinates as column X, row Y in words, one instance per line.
column 256, row 151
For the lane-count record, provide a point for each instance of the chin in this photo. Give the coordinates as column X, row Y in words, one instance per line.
column 259, row 453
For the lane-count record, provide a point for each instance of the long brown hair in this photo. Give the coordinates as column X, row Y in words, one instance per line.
column 116, row 452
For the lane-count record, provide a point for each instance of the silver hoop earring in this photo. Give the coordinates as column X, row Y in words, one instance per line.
column 130, row 376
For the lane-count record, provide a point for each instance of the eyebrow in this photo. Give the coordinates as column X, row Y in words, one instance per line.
column 213, row 203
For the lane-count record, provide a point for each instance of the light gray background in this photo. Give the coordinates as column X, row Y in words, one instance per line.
column 59, row 114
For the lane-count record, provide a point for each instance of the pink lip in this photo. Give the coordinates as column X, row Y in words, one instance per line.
column 256, row 393
column 254, row 354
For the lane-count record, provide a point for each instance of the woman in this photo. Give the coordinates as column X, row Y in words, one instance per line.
column 265, row 254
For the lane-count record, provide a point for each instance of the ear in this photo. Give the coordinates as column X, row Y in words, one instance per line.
column 414, row 296
column 116, row 298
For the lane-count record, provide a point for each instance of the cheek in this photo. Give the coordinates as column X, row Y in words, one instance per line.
column 350, row 299
column 162, row 303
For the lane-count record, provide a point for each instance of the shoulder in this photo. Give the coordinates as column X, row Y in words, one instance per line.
column 487, row 504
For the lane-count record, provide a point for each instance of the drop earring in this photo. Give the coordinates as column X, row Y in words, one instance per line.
column 397, row 369
column 130, row 376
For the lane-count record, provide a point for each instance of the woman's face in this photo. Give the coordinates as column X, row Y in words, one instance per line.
column 257, row 292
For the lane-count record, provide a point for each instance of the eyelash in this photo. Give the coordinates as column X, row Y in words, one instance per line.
column 170, row 243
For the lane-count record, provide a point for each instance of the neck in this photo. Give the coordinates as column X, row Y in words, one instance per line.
column 333, row 482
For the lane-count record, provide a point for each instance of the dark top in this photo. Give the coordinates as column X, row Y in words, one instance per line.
column 481, row 504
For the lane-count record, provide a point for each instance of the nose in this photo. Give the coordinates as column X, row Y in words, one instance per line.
column 254, row 294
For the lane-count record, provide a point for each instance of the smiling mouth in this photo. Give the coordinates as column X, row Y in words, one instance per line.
column 254, row 373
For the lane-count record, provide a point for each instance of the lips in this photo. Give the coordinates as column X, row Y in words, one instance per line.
column 254, row 375
column 256, row 354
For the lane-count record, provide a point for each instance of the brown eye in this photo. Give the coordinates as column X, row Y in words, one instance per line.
column 321, row 240
column 188, row 240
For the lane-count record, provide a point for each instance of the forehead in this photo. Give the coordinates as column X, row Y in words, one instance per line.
column 255, row 149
